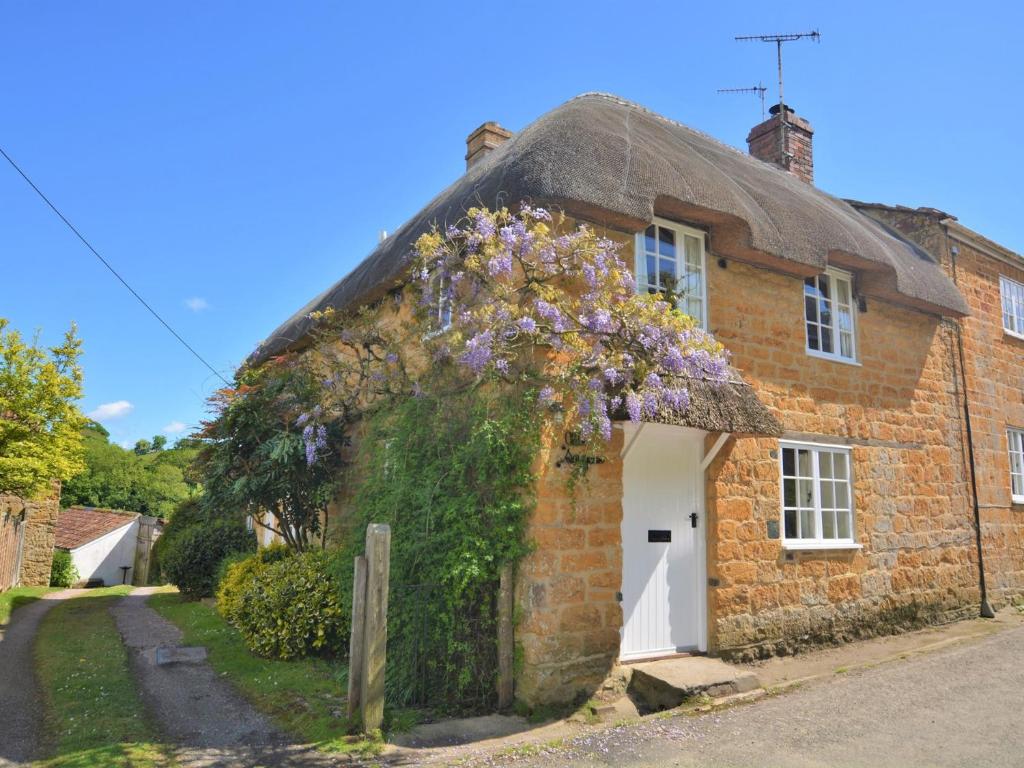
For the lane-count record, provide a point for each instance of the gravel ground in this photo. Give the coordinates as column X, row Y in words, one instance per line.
column 204, row 718
column 21, row 707
column 959, row 707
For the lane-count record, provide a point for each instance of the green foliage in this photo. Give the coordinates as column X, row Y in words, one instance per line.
column 452, row 476
column 190, row 557
column 151, row 483
column 290, row 608
column 260, row 455
column 63, row 572
column 235, row 573
column 40, row 424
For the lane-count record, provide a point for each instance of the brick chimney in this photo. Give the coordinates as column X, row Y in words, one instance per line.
column 481, row 141
column 766, row 143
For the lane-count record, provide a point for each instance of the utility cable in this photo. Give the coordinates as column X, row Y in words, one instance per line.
column 113, row 271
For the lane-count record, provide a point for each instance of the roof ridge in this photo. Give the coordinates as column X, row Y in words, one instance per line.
column 671, row 121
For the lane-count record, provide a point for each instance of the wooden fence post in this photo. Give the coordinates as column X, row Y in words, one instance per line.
column 378, row 561
column 356, row 647
column 506, row 639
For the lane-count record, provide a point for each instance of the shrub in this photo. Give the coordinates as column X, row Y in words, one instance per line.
column 63, row 572
column 191, row 557
column 236, row 571
column 289, row 608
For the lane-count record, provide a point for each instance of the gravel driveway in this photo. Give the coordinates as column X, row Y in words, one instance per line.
column 959, row 707
column 21, row 708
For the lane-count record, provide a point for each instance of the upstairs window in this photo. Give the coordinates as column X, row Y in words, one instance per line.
column 828, row 315
column 440, row 303
column 1016, row 440
column 1013, row 306
column 670, row 261
column 817, row 496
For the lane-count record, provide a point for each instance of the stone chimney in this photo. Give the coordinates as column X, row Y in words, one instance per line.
column 788, row 146
column 481, row 141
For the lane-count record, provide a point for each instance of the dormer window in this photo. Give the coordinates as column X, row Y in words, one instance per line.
column 829, row 317
column 670, row 261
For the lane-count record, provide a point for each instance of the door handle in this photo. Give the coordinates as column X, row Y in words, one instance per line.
column 693, row 519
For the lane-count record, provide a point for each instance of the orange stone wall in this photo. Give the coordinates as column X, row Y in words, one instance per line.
column 898, row 412
column 995, row 383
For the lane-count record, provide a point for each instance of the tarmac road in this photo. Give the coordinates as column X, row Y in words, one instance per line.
column 963, row 706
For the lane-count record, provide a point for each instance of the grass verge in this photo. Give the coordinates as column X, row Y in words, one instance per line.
column 94, row 715
column 15, row 598
column 304, row 696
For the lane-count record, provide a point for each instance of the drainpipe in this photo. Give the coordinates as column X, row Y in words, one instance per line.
column 986, row 609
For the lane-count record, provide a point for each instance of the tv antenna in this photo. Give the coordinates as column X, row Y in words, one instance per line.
column 759, row 89
column 779, row 40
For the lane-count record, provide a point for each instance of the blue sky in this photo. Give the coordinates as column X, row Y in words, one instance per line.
column 233, row 159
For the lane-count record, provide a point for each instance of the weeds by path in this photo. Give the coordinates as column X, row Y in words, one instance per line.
column 94, row 716
column 304, row 697
column 14, row 598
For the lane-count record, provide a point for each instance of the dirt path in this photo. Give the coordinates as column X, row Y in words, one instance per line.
column 21, row 705
column 205, row 719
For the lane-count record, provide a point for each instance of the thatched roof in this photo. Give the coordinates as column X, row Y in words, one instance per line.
column 616, row 164
column 732, row 407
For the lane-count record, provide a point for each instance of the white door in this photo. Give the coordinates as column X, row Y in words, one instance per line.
column 663, row 582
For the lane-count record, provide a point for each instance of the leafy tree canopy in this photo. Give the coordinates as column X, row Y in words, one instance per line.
column 40, row 423
column 152, row 483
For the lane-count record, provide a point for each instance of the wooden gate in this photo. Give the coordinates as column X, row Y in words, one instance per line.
column 12, row 542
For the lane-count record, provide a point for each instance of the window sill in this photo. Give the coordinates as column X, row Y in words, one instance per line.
column 817, row 546
column 1018, row 500
column 1013, row 334
column 832, row 358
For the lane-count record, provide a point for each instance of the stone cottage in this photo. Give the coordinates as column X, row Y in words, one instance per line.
column 833, row 492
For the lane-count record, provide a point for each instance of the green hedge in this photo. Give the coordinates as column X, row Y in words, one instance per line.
column 235, row 573
column 63, row 572
column 287, row 609
column 191, row 557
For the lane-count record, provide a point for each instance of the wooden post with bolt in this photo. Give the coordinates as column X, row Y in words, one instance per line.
column 356, row 647
column 375, row 635
column 506, row 639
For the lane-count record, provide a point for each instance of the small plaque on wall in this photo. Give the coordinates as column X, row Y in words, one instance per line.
column 773, row 529
column 659, row 536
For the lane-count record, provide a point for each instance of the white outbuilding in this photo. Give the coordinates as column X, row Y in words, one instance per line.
column 102, row 543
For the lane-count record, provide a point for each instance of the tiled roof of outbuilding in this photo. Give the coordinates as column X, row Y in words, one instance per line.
column 616, row 164
column 77, row 526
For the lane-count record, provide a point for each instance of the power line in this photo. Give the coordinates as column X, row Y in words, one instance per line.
column 113, row 271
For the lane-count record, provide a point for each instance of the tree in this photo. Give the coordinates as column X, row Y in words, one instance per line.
column 268, row 451
column 152, row 483
column 40, row 423
column 158, row 444
column 142, row 447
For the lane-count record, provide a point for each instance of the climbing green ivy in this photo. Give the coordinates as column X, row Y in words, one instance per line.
column 452, row 476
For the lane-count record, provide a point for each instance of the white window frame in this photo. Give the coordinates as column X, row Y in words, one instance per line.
column 1011, row 294
column 1015, row 445
column 682, row 265
column 817, row 542
column 833, row 276
column 440, row 307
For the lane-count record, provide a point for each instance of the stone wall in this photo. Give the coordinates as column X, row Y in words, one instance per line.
column 40, row 525
column 898, row 411
column 567, row 634
column 995, row 381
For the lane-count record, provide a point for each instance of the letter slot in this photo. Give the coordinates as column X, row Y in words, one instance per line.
column 659, row 536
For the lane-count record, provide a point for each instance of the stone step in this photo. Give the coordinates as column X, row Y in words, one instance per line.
column 163, row 655
column 668, row 683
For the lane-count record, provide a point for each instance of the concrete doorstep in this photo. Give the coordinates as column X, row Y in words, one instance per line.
column 668, row 683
